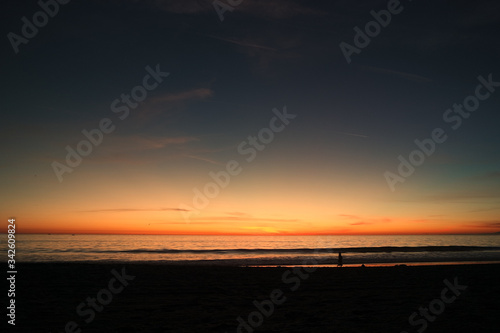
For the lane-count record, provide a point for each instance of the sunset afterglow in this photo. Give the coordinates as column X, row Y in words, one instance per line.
column 258, row 127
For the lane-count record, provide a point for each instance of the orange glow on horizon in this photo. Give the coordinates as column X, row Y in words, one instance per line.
column 250, row 231
column 107, row 206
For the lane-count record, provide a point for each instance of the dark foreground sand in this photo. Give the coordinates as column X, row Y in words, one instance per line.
column 210, row 299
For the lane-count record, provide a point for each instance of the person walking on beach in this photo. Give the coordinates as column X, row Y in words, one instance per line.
column 339, row 262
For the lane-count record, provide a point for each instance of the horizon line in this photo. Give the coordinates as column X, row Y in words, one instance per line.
column 267, row 234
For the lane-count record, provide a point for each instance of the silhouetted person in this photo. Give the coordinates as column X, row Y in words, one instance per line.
column 339, row 262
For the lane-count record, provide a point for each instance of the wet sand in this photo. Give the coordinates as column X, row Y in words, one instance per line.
column 163, row 298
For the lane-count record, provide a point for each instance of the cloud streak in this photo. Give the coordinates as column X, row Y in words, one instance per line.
column 248, row 218
column 485, row 224
column 183, row 96
column 204, row 159
column 360, row 220
column 402, row 75
column 243, row 43
column 126, row 210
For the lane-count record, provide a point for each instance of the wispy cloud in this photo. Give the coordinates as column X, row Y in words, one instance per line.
column 243, row 43
column 360, row 220
column 204, row 159
column 183, row 96
column 403, row 75
column 169, row 103
column 495, row 224
column 133, row 143
column 125, row 210
column 491, row 225
column 240, row 214
column 248, row 218
column 360, row 223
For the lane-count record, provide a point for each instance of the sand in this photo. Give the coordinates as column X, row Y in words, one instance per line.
column 162, row 298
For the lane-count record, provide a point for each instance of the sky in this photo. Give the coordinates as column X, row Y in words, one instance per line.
column 262, row 117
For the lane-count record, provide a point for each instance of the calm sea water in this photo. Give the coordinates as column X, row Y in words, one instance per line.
column 255, row 250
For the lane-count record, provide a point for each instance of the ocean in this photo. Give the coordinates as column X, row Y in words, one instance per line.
column 256, row 250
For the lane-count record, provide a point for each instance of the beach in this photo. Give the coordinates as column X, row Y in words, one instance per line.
column 131, row 297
